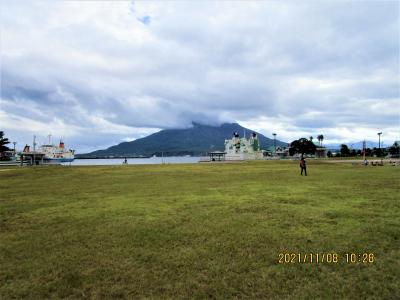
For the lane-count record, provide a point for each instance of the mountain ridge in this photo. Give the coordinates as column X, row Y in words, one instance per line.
column 196, row 140
column 357, row 145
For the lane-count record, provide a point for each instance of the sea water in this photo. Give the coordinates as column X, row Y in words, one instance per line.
column 135, row 161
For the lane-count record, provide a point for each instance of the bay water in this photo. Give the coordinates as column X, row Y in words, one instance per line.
column 135, row 161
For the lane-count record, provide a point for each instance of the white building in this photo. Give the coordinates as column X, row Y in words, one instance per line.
column 242, row 148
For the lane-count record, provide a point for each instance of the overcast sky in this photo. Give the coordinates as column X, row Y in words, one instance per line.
column 98, row 73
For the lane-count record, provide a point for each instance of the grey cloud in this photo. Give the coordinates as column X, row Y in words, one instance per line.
column 207, row 63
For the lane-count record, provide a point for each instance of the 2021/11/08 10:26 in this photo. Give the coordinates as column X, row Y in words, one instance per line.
column 285, row 258
column 352, row 258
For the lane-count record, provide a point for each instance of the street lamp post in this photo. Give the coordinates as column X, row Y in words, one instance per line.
column 274, row 134
column 14, row 145
column 379, row 147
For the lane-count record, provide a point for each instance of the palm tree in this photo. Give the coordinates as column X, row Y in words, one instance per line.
column 320, row 139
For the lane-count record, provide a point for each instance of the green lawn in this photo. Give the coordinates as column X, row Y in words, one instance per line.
column 198, row 231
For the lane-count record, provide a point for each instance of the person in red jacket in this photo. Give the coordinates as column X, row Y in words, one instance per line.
column 303, row 167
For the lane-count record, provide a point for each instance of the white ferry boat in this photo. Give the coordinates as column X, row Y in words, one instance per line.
column 57, row 154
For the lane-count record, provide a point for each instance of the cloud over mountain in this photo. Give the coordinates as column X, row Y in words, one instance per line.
column 100, row 72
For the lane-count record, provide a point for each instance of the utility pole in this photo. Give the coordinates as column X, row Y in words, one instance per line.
column 274, row 134
column 14, row 146
column 34, row 149
column 364, row 147
column 379, row 135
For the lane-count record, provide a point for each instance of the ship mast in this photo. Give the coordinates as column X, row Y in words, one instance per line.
column 34, row 149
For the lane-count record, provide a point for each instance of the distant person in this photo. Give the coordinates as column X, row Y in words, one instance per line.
column 303, row 167
column 125, row 161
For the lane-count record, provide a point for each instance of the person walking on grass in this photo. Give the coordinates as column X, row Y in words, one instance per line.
column 303, row 167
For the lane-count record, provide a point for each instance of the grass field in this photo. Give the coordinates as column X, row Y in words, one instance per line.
column 199, row 231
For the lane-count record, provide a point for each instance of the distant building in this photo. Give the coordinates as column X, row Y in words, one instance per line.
column 279, row 152
column 320, row 151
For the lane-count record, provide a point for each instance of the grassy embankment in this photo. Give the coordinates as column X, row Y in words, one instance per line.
column 205, row 230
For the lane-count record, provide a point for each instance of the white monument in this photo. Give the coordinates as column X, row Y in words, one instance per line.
column 243, row 149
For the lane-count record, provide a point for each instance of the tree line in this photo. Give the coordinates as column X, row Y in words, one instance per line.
column 304, row 146
column 345, row 151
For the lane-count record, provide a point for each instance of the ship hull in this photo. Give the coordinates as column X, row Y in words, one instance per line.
column 57, row 160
